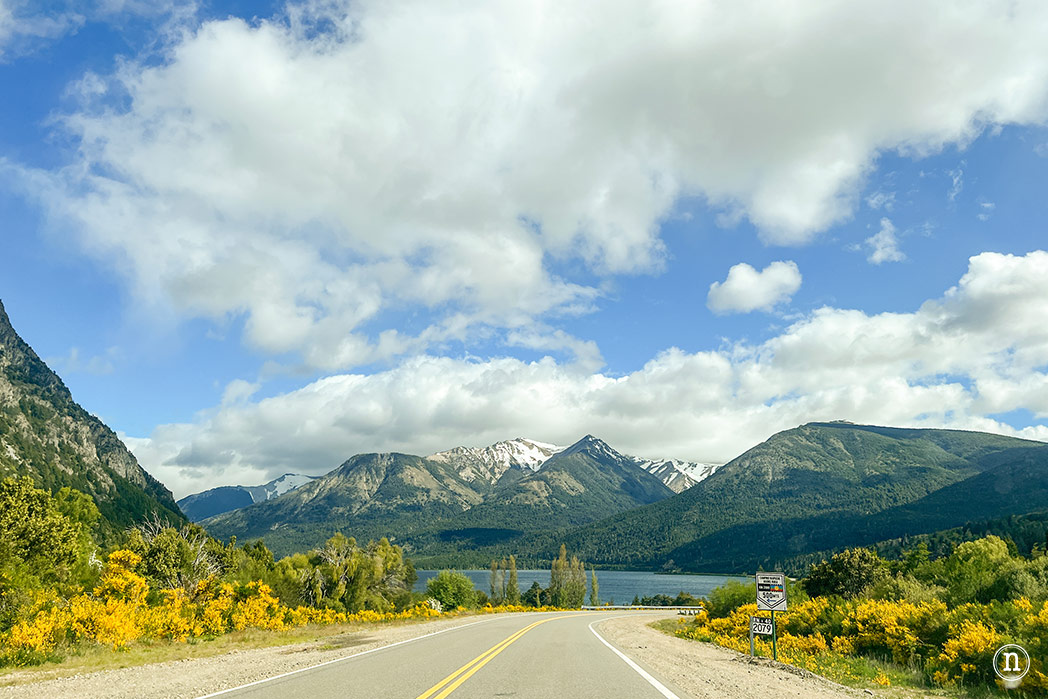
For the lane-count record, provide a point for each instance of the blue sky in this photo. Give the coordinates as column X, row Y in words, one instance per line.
column 261, row 238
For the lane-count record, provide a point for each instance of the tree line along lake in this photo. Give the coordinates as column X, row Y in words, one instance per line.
column 618, row 586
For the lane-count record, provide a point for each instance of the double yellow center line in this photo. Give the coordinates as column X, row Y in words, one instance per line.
column 452, row 682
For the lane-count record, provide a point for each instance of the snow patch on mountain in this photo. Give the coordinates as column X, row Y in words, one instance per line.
column 676, row 474
column 278, row 486
column 491, row 462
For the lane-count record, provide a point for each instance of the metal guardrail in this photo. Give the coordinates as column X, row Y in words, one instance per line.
column 680, row 610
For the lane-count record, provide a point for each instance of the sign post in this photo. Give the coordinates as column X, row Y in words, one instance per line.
column 771, row 597
column 759, row 625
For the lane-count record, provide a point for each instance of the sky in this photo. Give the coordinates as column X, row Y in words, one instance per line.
column 257, row 238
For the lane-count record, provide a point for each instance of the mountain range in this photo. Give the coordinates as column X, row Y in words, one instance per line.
column 823, row 486
column 458, row 499
column 225, row 498
column 46, row 435
column 474, row 465
column 817, row 487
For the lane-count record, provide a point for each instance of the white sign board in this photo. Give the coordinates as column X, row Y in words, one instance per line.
column 760, row 625
column 771, row 592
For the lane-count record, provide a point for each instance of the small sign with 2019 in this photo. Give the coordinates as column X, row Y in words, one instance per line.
column 760, row 625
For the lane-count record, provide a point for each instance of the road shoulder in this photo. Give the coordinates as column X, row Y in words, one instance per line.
column 704, row 670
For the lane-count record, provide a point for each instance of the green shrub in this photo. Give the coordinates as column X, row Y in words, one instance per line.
column 452, row 589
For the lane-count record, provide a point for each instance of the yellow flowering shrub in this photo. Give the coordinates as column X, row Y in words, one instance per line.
column 843, row 645
column 879, row 627
column 32, row 640
column 215, row 603
column 796, row 646
column 505, row 608
column 967, row 654
column 260, row 609
column 952, row 646
column 173, row 619
column 116, row 614
column 119, row 581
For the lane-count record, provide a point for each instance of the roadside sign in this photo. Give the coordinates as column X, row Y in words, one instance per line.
column 771, row 592
column 760, row 625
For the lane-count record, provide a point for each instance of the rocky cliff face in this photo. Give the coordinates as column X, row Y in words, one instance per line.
column 45, row 434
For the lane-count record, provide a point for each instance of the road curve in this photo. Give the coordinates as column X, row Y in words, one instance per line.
column 553, row 655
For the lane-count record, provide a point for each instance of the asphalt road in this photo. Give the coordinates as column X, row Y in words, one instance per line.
column 521, row 655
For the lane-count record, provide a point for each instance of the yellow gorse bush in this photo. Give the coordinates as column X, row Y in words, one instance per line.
column 967, row 653
column 953, row 646
column 116, row 613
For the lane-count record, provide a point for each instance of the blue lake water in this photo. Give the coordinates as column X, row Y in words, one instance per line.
column 619, row 586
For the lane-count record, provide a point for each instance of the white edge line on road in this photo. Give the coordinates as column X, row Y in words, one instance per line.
column 338, row 660
column 640, row 671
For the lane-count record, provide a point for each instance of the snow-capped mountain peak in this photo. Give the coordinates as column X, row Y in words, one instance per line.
column 491, row 462
column 283, row 484
column 676, row 474
column 232, row 497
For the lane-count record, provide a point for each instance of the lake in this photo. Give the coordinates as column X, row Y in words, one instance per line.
column 620, row 586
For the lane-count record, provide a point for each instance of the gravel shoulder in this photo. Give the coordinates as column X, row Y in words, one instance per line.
column 704, row 670
column 195, row 677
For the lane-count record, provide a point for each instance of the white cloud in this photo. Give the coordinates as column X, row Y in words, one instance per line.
column 21, row 23
column 747, row 290
column 985, row 210
column 881, row 200
column 883, row 245
column 979, row 350
column 312, row 173
column 956, row 183
column 73, row 363
column 26, row 24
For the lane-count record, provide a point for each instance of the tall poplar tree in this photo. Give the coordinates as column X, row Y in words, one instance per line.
column 558, row 574
column 498, row 588
column 512, row 587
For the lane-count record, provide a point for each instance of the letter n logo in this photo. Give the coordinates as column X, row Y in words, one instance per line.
column 1010, row 662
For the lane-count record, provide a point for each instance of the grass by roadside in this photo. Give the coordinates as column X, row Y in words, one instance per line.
column 868, row 674
column 88, row 658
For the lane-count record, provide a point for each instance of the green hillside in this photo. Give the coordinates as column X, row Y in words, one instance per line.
column 1028, row 532
column 821, row 486
column 46, row 435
